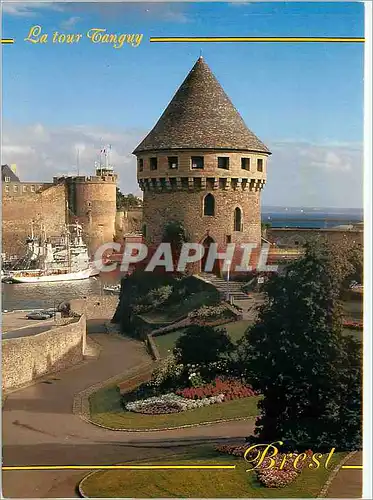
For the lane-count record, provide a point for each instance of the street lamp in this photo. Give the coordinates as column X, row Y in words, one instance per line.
column 229, row 268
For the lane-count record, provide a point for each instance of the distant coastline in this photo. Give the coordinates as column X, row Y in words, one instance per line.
column 306, row 217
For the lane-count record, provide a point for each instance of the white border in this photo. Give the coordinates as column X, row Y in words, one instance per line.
column 367, row 376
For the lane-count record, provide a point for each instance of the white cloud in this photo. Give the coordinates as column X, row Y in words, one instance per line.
column 28, row 9
column 69, row 23
column 173, row 12
column 299, row 173
column 41, row 153
column 306, row 174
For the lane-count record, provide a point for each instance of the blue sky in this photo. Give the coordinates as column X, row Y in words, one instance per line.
column 305, row 101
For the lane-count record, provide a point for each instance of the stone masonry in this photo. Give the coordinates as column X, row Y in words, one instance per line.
column 202, row 167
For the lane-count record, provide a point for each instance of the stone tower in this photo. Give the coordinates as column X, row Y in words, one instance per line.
column 200, row 165
column 92, row 201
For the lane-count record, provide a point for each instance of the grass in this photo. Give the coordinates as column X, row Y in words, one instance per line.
column 199, row 483
column 179, row 310
column 166, row 343
column 356, row 334
column 106, row 409
column 236, row 329
column 353, row 309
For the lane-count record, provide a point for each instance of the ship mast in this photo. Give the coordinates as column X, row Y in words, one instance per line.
column 68, row 249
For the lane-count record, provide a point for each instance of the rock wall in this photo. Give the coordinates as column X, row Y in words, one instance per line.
column 47, row 206
column 187, row 208
column 96, row 307
column 25, row 359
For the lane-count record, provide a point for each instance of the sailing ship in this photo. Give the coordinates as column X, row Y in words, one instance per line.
column 47, row 260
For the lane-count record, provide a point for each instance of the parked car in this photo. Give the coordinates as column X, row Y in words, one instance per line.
column 38, row 315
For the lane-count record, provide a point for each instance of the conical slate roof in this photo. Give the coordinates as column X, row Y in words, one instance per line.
column 201, row 116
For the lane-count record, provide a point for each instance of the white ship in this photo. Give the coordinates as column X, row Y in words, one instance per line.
column 66, row 259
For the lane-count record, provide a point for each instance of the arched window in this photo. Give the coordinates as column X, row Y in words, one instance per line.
column 209, row 205
column 237, row 219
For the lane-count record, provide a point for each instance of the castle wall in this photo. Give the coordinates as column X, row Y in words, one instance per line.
column 187, row 208
column 293, row 237
column 95, row 208
column 210, row 164
column 25, row 359
column 47, row 206
column 178, row 194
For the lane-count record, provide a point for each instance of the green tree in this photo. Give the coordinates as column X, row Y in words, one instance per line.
column 174, row 233
column 202, row 344
column 126, row 201
column 296, row 357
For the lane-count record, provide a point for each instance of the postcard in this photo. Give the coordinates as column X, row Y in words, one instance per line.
column 185, row 242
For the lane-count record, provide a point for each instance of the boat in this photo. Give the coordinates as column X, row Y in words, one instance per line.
column 63, row 259
column 115, row 289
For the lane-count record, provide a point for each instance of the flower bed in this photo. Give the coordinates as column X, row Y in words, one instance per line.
column 232, row 389
column 354, row 325
column 170, row 403
column 280, row 475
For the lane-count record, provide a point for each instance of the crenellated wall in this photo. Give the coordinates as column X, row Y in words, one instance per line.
column 46, row 205
column 176, row 191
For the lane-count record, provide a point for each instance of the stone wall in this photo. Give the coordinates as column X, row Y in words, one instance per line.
column 95, row 208
column 293, row 237
column 187, row 208
column 95, row 307
column 47, row 206
column 25, row 359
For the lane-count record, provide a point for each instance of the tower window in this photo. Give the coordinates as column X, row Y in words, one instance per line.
column 32, row 189
column 237, row 219
column 197, row 161
column 245, row 163
column 24, row 189
column 173, row 162
column 141, row 165
column 209, row 205
column 259, row 165
column 223, row 162
column 153, row 163
column 15, row 189
column 7, row 179
column 228, row 239
column 7, row 189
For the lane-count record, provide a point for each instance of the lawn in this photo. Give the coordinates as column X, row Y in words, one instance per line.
column 199, row 483
column 237, row 329
column 106, row 409
column 180, row 310
column 353, row 310
column 166, row 343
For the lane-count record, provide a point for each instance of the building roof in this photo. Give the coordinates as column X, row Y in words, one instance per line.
column 201, row 116
column 6, row 171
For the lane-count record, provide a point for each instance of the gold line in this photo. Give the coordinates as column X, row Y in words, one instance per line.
column 7, row 40
column 129, row 467
column 352, row 466
column 258, row 39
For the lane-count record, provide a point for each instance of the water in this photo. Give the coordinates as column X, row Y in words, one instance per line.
column 45, row 295
column 35, row 296
column 310, row 217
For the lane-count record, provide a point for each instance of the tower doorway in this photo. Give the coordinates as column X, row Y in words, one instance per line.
column 216, row 267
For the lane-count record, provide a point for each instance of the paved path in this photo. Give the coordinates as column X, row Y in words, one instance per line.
column 348, row 482
column 39, row 427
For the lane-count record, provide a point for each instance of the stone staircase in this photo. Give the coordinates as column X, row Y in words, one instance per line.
column 234, row 287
